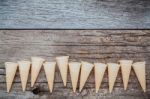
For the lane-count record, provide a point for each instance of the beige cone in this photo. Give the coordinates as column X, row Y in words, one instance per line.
column 74, row 68
column 85, row 72
column 139, row 68
column 62, row 63
column 24, row 67
column 99, row 73
column 49, row 68
column 35, row 68
column 125, row 69
column 11, row 69
column 113, row 69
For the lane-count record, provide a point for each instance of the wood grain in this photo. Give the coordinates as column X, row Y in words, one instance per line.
column 75, row 14
column 87, row 45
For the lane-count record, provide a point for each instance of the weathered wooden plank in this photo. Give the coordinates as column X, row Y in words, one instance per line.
column 87, row 45
column 78, row 14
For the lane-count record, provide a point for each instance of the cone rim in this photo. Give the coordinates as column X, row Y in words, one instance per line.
column 6, row 63
column 100, row 64
column 137, row 63
column 70, row 63
column 62, row 57
column 48, row 63
column 24, row 61
column 37, row 58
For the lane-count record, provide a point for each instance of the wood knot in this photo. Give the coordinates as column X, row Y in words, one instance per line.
column 36, row 90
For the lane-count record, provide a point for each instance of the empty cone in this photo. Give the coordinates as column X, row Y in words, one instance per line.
column 24, row 67
column 74, row 68
column 85, row 72
column 139, row 68
column 125, row 69
column 49, row 68
column 35, row 69
column 10, row 73
column 113, row 69
column 62, row 63
column 99, row 73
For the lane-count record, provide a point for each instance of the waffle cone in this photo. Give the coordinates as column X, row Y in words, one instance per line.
column 62, row 63
column 113, row 69
column 139, row 68
column 74, row 68
column 85, row 72
column 35, row 69
column 24, row 67
column 11, row 69
column 125, row 69
column 49, row 68
column 99, row 73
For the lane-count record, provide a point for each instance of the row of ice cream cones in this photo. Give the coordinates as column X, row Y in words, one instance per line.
column 75, row 68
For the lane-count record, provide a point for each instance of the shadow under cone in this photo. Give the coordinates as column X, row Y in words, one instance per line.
column 49, row 68
column 24, row 67
column 35, row 68
column 62, row 63
column 74, row 68
column 125, row 69
column 11, row 69
column 85, row 72
column 113, row 69
column 139, row 68
column 99, row 69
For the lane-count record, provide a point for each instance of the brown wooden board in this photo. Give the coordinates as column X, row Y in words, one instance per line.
column 86, row 45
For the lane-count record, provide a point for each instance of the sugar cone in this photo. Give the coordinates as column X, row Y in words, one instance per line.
column 99, row 73
column 85, row 72
column 49, row 68
column 113, row 69
column 139, row 68
column 11, row 69
column 62, row 63
column 74, row 68
column 125, row 69
column 35, row 69
column 24, row 67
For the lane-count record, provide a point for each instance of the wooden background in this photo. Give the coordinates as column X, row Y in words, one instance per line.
column 75, row 14
column 86, row 45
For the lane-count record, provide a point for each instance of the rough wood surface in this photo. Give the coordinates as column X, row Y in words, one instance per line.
column 75, row 14
column 87, row 45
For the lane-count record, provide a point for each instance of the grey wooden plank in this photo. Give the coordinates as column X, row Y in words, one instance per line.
column 75, row 14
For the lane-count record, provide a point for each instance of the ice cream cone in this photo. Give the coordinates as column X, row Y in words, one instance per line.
column 113, row 69
column 11, row 69
column 49, row 68
column 35, row 68
column 24, row 67
column 99, row 73
column 74, row 68
column 125, row 69
column 85, row 72
column 62, row 63
column 139, row 68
